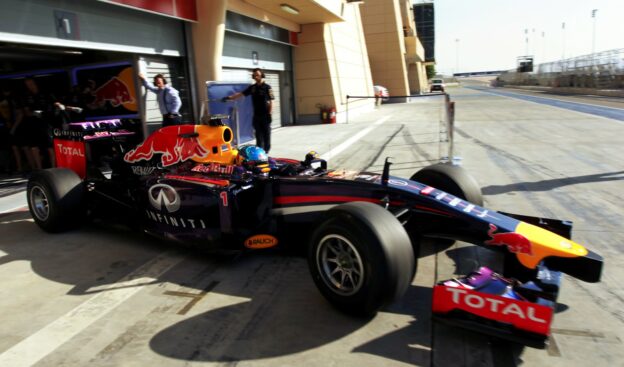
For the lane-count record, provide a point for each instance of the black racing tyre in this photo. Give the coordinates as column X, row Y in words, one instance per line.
column 360, row 258
column 55, row 199
column 452, row 179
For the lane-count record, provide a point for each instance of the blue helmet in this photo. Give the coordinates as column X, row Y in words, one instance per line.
column 252, row 155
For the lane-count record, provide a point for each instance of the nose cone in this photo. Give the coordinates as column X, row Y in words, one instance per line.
column 544, row 244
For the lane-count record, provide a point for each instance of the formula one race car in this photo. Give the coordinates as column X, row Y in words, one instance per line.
column 360, row 230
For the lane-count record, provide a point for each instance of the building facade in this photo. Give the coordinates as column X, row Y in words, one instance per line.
column 314, row 53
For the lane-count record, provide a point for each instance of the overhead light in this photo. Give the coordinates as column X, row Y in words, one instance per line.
column 289, row 9
column 355, row 1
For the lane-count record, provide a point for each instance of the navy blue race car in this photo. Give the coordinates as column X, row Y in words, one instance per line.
column 360, row 230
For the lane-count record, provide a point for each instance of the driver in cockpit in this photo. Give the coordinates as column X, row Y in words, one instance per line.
column 254, row 159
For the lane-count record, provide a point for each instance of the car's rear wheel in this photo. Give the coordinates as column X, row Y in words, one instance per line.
column 55, row 199
column 360, row 258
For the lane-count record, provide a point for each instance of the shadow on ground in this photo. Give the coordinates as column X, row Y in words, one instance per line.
column 547, row 185
column 272, row 307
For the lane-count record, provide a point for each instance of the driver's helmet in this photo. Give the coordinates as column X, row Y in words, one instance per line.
column 252, row 156
column 312, row 155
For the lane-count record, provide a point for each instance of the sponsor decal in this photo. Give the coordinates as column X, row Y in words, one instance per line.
column 545, row 243
column 100, row 135
column 367, row 177
column 214, row 168
column 454, row 201
column 397, row 182
column 261, row 241
column 58, row 133
column 71, row 154
column 199, row 180
column 70, row 151
column 427, row 190
column 515, row 242
column 143, row 171
column 524, row 315
column 174, row 143
column 174, row 221
column 342, row 174
column 115, row 91
column 164, row 196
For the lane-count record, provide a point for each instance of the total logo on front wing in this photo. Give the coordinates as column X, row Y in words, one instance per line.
column 523, row 315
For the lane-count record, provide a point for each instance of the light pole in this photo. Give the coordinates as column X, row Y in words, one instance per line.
column 594, row 31
column 456, row 55
column 526, row 42
column 543, row 50
column 563, row 42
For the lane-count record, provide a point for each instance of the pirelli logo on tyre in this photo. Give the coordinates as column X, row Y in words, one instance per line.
column 260, row 241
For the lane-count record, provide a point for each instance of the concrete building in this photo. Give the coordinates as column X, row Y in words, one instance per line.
column 396, row 54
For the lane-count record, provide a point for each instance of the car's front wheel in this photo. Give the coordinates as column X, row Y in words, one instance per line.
column 360, row 258
column 451, row 179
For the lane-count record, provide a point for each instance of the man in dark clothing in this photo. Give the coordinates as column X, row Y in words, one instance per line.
column 10, row 118
column 39, row 120
column 262, row 100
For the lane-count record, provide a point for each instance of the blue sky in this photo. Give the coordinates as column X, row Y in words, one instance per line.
column 491, row 33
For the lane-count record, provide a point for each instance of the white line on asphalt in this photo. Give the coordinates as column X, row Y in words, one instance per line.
column 568, row 101
column 337, row 150
column 13, row 202
column 45, row 341
column 561, row 108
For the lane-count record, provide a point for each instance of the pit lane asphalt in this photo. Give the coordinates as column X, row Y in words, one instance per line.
column 615, row 111
column 114, row 298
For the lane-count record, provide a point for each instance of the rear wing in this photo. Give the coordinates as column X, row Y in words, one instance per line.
column 72, row 143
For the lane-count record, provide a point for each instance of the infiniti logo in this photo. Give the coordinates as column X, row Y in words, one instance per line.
column 164, row 195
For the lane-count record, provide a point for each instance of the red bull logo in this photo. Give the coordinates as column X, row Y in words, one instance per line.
column 114, row 91
column 174, row 143
column 515, row 242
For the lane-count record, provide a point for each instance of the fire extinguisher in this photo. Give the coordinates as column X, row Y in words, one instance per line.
column 324, row 115
column 332, row 115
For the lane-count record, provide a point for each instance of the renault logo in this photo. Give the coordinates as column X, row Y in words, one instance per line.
column 164, row 195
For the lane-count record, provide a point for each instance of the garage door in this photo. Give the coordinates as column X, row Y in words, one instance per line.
column 173, row 72
column 273, row 80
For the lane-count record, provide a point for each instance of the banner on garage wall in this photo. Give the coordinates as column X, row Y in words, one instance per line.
column 185, row 9
column 106, row 90
column 240, row 110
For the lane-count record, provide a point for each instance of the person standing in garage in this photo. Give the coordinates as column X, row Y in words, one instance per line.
column 39, row 121
column 10, row 118
column 168, row 98
column 262, row 100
